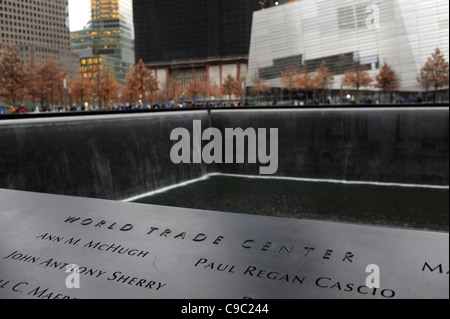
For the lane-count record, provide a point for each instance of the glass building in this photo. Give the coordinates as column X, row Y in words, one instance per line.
column 109, row 37
column 304, row 33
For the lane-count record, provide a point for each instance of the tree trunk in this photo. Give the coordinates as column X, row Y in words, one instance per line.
column 100, row 100
column 436, row 94
column 13, row 99
column 51, row 95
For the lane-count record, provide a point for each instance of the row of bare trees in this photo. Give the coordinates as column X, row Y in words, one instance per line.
column 43, row 83
column 141, row 84
column 19, row 80
column 434, row 74
column 294, row 80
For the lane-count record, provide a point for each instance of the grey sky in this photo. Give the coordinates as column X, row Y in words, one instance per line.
column 79, row 13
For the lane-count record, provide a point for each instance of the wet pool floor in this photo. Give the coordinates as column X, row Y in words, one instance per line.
column 406, row 207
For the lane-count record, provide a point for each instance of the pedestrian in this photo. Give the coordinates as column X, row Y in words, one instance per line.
column 12, row 110
column 22, row 109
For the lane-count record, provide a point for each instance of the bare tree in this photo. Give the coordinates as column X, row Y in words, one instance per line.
column 12, row 75
column 386, row 80
column 31, row 88
column 287, row 81
column 357, row 78
column 306, row 82
column 140, row 79
column 172, row 89
column 260, row 87
column 324, row 79
column 129, row 92
column 110, row 88
column 213, row 90
column 436, row 72
column 424, row 80
column 104, row 85
column 49, row 77
column 231, row 87
column 80, row 88
column 197, row 88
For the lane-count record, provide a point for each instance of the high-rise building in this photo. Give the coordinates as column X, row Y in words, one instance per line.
column 38, row 29
column 109, row 38
column 185, row 39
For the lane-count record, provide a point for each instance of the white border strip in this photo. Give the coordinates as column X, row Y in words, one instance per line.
column 298, row 179
column 100, row 117
column 166, row 189
column 330, row 109
column 333, row 181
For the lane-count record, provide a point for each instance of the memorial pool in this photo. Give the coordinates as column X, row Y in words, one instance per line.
column 406, row 206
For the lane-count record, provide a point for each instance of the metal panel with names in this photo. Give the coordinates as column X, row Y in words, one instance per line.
column 122, row 250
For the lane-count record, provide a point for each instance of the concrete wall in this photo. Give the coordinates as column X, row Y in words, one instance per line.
column 119, row 156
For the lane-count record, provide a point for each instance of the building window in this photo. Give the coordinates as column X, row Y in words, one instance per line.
column 353, row 17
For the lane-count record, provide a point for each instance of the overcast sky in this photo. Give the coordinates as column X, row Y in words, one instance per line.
column 79, row 13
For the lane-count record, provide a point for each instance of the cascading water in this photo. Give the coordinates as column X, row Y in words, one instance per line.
column 121, row 156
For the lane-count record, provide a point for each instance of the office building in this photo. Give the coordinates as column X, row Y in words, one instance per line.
column 38, row 29
column 109, row 37
column 190, row 39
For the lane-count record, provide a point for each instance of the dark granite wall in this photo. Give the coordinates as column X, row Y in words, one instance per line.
column 379, row 145
column 119, row 156
column 111, row 158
